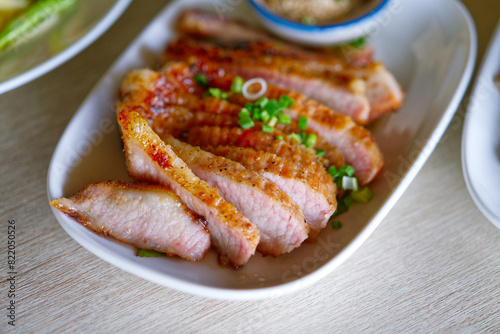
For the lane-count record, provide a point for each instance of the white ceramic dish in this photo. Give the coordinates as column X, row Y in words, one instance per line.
column 362, row 24
column 481, row 139
column 75, row 30
column 433, row 59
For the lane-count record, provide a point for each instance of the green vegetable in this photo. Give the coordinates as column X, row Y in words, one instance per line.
column 310, row 140
column 267, row 129
column 217, row 92
column 359, row 43
column 32, row 18
column 246, row 122
column 201, row 80
column 149, row 253
column 363, row 195
column 302, row 123
column 337, row 225
column 320, row 153
column 279, row 138
column 284, row 119
column 237, row 85
column 295, row 137
column 268, row 111
column 337, row 175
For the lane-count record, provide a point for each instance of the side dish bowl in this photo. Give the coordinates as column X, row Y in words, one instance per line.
column 364, row 23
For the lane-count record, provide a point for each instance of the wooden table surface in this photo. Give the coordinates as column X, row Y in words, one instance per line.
column 433, row 265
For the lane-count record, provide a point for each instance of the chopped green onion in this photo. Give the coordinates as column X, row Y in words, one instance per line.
column 337, row 225
column 296, row 137
column 349, row 183
column 302, row 137
column 278, row 137
column 273, row 121
column 309, row 20
column 262, row 102
column 363, row 195
column 201, row 80
column 284, row 119
column 320, row 153
column 286, row 101
column 302, row 123
column 273, row 107
column 264, row 116
column 347, row 170
column 217, row 92
column 267, row 129
column 348, row 201
column 237, row 85
column 310, row 140
column 246, row 122
column 359, row 43
column 149, row 253
column 341, row 207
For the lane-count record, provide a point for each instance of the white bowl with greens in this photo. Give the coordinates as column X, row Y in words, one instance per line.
column 47, row 33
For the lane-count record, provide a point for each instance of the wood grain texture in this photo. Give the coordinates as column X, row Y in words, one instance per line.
column 433, row 265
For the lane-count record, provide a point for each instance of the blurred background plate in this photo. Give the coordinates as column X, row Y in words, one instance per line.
column 73, row 32
column 481, row 136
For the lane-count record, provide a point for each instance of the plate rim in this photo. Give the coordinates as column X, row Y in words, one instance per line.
column 346, row 252
column 82, row 43
column 475, row 195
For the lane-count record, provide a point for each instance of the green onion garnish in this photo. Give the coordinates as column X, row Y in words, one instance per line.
column 302, row 123
column 363, row 195
column 201, row 80
column 149, row 253
column 217, row 92
column 246, row 122
column 273, row 121
column 237, row 85
column 310, row 140
column 262, row 102
column 279, row 138
column 295, row 137
column 267, row 128
column 286, row 101
column 349, row 183
column 338, row 175
column 284, row 119
column 359, row 43
column 320, row 153
column 337, row 225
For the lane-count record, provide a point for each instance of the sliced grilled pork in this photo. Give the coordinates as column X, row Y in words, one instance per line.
column 146, row 216
column 201, row 24
column 150, row 160
column 313, row 195
column 145, row 92
column 280, row 221
column 354, row 142
column 345, row 95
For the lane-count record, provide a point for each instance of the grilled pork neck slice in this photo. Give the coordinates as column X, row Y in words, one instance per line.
column 314, row 195
column 173, row 112
column 149, row 159
column 146, row 216
column 354, row 142
column 206, row 25
column 281, row 223
column 345, row 95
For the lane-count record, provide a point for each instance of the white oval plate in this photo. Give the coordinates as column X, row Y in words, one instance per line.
column 77, row 30
column 481, row 136
column 429, row 45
